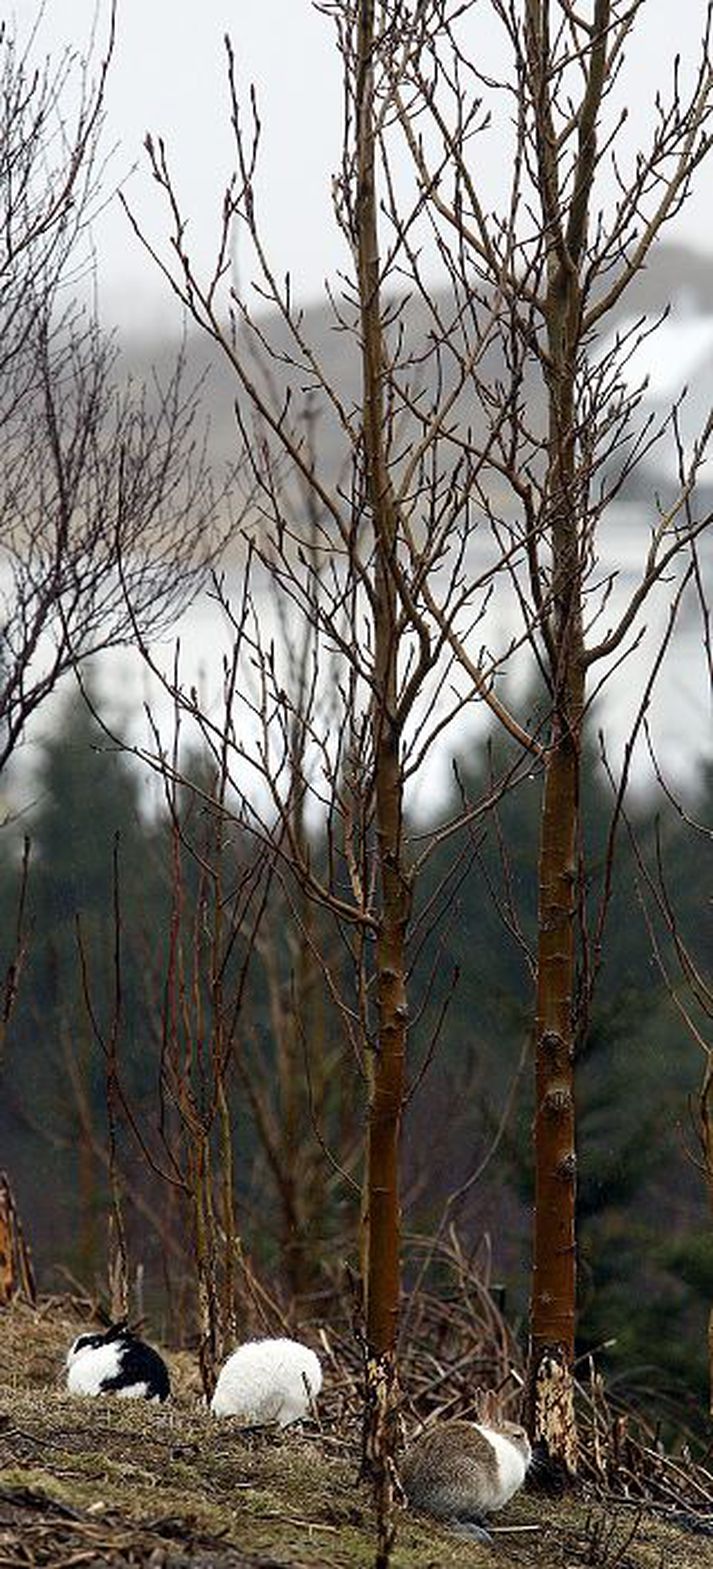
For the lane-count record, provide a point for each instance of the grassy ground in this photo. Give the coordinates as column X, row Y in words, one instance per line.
column 110, row 1482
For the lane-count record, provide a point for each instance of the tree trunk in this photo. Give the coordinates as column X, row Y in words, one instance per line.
column 565, row 210
column 383, row 1217
column 553, row 1284
column 550, row 1383
column 16, row 1272
column 382, row 1212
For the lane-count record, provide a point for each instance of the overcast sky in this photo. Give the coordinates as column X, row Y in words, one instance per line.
column 168, row 76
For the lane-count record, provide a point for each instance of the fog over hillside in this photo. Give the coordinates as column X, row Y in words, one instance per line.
column 676, row 283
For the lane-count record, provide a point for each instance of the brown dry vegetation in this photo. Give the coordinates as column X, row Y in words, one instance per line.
column 110, row 1482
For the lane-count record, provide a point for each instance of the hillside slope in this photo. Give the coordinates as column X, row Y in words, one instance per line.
column 114, row 1483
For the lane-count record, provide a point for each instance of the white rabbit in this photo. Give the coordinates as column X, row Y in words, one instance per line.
column 268, row 1381
column 459, row 1471
column 116, row 1362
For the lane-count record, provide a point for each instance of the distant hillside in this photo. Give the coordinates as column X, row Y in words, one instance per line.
column 674, row 274
column 671, row 270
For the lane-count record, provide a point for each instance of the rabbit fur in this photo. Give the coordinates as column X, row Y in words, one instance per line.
column 459, row 1471
column 268, row 1381
column 116, row 1362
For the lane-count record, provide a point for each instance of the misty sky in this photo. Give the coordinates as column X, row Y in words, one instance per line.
column 169, row 77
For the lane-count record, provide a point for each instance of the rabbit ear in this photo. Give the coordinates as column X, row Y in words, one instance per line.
column 117, row 1331
column 487, row 1406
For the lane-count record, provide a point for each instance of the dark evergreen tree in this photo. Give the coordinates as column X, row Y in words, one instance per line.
column 645, row 1248
column 85, row 827
column 637, row 1070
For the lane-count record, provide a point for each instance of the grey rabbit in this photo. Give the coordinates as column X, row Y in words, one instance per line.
column 459, row 1471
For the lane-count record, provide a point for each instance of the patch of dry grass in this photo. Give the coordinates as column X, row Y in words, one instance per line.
column 114, row 1482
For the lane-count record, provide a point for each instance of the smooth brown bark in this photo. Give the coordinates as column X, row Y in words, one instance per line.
column 552, row 1324
column 553, row 1301
column 554, row 1278
column 382, row 1214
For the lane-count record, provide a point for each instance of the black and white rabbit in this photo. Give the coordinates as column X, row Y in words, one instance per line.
column 116, row 1362
column 460, row 1471
column 267, row 1381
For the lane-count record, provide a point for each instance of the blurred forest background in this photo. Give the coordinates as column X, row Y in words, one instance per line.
column 106, row 851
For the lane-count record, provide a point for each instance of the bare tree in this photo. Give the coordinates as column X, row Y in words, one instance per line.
column 168, row 1149
column 105, row 490
column 563, row 434
column 492, row 429
column 353, row 554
